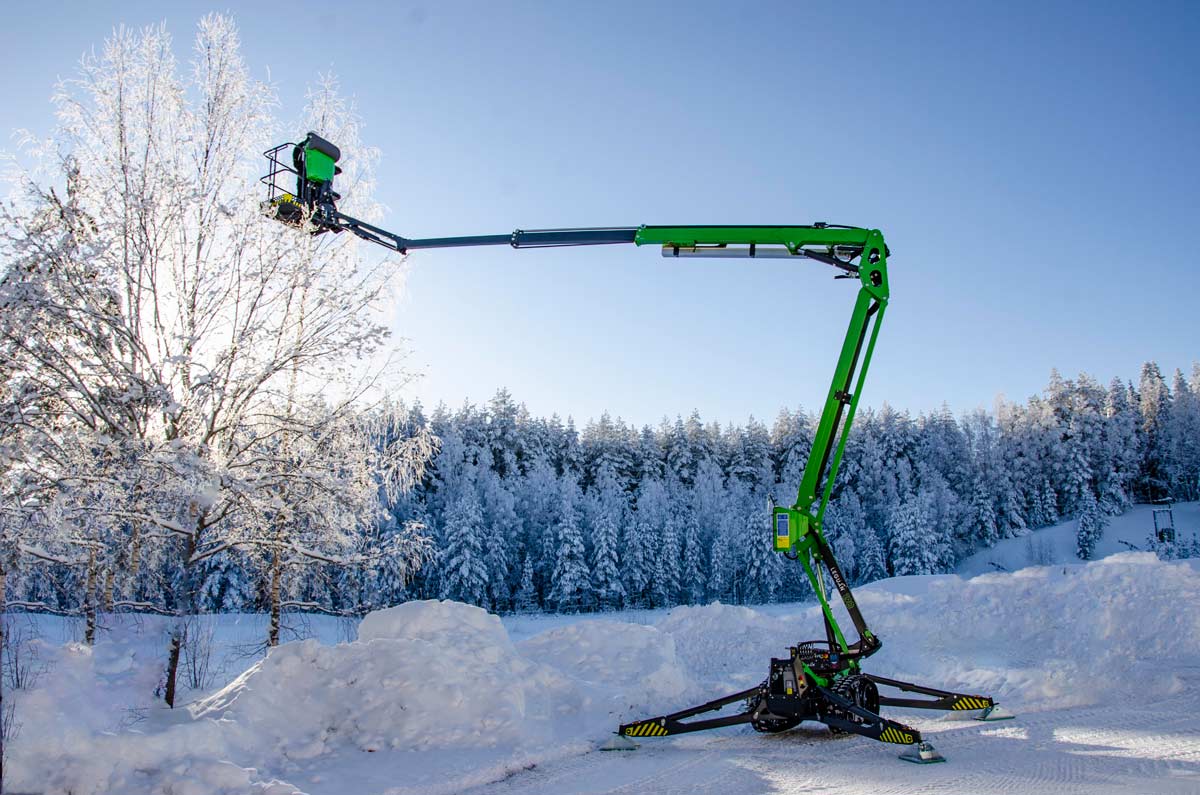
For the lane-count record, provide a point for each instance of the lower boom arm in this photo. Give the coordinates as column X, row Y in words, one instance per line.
column 798, row 529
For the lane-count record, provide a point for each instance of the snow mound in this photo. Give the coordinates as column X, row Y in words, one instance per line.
column 1045, row 637
column 726, row 645
column 426, row 675
column 433, row 620
column 90, row 726
column 633, row 665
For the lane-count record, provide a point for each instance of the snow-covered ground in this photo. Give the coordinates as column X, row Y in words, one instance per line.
column 1056, row 544
column 1101, row 662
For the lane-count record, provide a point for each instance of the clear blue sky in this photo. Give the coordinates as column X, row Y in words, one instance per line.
column 1034, row 166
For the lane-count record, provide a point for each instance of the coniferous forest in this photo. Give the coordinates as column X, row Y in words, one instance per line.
column 530, row 513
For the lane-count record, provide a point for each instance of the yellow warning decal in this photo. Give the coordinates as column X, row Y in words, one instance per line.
column 970, row 702
column 646, row 730
column 890, row 735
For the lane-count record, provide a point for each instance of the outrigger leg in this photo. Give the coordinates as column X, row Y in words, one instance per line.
column 943, row 700
column 666, row 725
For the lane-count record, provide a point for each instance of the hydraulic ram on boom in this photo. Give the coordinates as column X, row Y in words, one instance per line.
column 820, row 680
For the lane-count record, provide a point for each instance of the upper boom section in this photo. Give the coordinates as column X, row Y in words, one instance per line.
column 311, row 166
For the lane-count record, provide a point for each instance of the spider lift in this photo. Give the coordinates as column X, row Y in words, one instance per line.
column 819, row 680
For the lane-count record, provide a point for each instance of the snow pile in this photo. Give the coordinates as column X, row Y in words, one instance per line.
column 631, row 667
column 434, row 621
column 727, row 645
column 423, row 675
column 89, row 726
column 105, row 681
column 1046, row 637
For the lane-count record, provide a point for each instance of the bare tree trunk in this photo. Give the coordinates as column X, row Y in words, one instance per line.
column 173, row 663
column 89, row 600
column 277, row 557
column 186, row 608
column 276, row 576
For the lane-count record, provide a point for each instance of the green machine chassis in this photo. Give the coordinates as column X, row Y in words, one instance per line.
column 820, row 680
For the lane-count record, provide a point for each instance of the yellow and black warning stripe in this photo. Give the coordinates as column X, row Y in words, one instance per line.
column 971, row 702
column 648, row 729
column 890, row 735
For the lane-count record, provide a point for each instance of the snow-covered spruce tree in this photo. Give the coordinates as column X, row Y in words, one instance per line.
column 945, row 514
column 872, row 564
column 843, row 528
column 570, row 581
column 606, row 511
column 692, row 568
column 538, row 499
column 500, row 518
column 1090, row 526
column 720, row 568
column 636, row 561
column 982, row 515
column 1046, row 505
column 642, row 549
column 1153, row 402
column 1121, row 447
column 526, row 599
column 763, row 567
column 464, row 571
column 214, row 332
column 679, row 451
column 1181, row 430
column 912, row 548
column 226, row 585
column 791, row 440
column 667, row 546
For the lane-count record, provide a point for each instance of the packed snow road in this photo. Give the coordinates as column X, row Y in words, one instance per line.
column 1125, row 747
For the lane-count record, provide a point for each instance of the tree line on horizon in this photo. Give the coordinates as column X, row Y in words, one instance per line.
column 527, row 514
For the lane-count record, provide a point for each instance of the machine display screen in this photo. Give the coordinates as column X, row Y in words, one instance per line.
column 781, row 525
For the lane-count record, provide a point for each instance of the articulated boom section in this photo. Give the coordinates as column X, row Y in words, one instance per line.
column 820, row 680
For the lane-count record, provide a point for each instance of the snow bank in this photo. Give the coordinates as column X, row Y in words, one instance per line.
column 434, row 620
column 89, row 726
column 1044, row 637
column 630, row 667
column 423, row 675
column 727, row 646
column 435, row 696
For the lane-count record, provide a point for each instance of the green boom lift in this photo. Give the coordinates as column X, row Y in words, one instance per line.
column 819, row 680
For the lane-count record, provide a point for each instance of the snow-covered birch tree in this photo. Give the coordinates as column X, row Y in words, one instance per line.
column 223, row 354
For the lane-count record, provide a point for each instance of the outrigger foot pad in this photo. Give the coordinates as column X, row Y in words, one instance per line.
column 995, row 712
column 619, row 743
column 923, row 754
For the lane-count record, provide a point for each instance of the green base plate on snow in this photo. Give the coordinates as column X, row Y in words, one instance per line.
column 923, row 754
column 619, row 743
